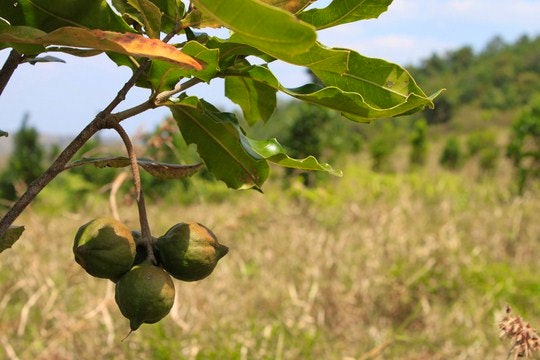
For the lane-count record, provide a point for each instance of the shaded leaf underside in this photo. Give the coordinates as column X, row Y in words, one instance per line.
column 156, row 169
column 10, row 237
column 272, row 151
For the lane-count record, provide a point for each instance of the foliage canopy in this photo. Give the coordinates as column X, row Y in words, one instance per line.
column 163, row 43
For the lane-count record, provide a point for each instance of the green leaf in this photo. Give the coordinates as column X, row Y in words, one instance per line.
column 220, row 143
column 49, row 15
column 10, row 14
column 292, row 6
column 164, row 75
column 316, row 57
column 381, row 84
column 323, row 58
column 351, row 102
column 21, row 48
column 143, row 12
column 272, row 151
column 155, row 168
column 256, row 98
column 196, row 19
column 270, row 29
column 342, row 12
column 230, row 51
column 149, row 15
column 171, row 11
column 8, row 239
column 354, row 106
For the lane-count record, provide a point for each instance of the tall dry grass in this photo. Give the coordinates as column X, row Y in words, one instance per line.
column 372, row 266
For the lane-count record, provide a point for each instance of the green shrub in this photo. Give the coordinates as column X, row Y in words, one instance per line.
column 479, row 140
column 452, row 155
column 524, row 146
column 488, row 158
column 419, row 144
column 382, row 147
column 25, row 162
column 483, row 144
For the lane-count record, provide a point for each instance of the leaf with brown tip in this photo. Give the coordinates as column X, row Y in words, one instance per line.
column 124, row 43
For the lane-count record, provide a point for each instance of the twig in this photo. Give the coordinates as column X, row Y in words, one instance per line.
column 12, row 62
column 143, row 217
column 163, row 96
column 57, row 166
column 121, row 95
column 177, row 28
column 101, row 121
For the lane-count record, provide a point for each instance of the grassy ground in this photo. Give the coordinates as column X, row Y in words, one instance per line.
column 413, row 265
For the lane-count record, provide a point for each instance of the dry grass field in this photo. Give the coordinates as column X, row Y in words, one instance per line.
column 412, row 265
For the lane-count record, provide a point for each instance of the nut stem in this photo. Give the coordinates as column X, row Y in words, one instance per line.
column 146, row 235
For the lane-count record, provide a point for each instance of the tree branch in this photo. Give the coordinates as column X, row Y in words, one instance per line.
column 121, row 95
column 57, row 166
column 12, row 62
column 101, row 121
column 165, row 95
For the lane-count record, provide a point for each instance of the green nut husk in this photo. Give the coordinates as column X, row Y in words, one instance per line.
column 144, row 295
column 190, row 251
column 105, row 248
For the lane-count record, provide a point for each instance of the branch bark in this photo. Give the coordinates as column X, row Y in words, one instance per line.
column 12, row 62
column 101, row 121
column 57, row 166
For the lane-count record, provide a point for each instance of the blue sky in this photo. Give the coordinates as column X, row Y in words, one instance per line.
column 62, row 98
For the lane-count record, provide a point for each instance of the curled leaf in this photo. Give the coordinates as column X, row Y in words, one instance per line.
column 267, row 28
column 272, row 151
column 155, row 168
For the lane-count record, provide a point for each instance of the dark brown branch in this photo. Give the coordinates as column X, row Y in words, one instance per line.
column 11, row 64
column 101, row 121
column 57, row 166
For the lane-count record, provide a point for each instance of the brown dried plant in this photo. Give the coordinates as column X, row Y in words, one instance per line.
column 525, row 339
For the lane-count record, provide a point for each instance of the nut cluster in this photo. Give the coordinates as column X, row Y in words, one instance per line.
column 144, row 290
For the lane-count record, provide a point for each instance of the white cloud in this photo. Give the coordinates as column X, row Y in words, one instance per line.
column 413, row 29
column 519, row 12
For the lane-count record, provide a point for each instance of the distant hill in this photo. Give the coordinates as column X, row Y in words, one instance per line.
column 501, row 77
column 47, row 140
